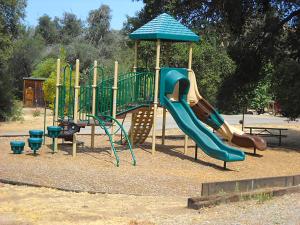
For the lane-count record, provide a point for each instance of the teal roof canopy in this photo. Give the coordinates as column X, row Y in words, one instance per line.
column 164, row 27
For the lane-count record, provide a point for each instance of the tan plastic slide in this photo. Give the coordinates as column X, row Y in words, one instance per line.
column 207, row 114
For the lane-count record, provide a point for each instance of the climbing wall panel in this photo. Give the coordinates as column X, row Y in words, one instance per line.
column 141, row 124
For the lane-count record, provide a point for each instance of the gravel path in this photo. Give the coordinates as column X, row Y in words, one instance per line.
column 22, row 205
column 168, row 172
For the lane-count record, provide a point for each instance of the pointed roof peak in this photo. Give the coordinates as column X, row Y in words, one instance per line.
column 164, row 27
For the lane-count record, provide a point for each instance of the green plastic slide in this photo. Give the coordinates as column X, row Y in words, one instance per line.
column 189, row 123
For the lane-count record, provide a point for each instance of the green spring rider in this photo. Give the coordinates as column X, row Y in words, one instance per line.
column 53, row 132
column 17, row 146
column 35, row 144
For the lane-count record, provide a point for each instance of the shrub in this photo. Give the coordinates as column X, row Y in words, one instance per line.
column 36, row 113
column 16, row 111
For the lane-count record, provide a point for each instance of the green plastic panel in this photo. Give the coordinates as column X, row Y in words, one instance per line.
column 167, row 80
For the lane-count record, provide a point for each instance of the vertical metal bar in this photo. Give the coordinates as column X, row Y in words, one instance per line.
column 114, row 103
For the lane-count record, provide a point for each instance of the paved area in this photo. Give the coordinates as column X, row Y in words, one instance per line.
column 171, row 124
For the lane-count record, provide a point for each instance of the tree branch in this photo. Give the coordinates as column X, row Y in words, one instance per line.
column 289, row 17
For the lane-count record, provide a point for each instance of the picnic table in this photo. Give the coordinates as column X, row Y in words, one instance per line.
column 268, row 132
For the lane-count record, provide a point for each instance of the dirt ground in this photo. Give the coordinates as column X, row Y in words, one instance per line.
column 27, row 205
column 154, row 191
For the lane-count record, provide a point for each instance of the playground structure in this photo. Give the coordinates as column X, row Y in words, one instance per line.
column 98, row 99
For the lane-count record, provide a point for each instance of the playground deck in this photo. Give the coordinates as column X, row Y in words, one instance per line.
column 167, row 173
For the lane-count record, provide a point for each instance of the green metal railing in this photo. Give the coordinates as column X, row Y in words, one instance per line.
column 66, row 95
column 135, row 89
column 106, row 122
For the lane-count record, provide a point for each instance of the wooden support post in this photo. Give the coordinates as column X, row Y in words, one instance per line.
column 114, row 107
column 164, row 126
column 94, row 86
column 186, row 138
column 155, row 95
column 76, row 87
column 56, row 100
column 135, row 56
column 132, row 114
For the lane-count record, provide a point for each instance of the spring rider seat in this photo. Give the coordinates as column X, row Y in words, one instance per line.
column 35, row 144
column 36, row 133
column 17, row 146
column 53, row 132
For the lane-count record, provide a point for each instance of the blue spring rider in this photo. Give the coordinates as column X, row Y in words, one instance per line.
column 17, row 146
column 53, row 132
column 36, row 133
column 35, row 144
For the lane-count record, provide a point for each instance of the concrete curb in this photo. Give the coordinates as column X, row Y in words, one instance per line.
column 248, row 185
column 206, row 201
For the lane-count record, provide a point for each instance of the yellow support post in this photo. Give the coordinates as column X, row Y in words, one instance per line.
column 94, row 86
column 57, row 98
column 135, row 56
column 76, row 87
column 114, row 108
column 157, row 69
column 186, row 138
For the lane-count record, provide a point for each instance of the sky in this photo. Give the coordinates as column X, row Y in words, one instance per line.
column 120, row 8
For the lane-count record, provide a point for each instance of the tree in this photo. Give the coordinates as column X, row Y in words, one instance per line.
column 98, row 24
column 262, row 94
column 47, row 29
column 44, row 68
column 250, row 30
column 286, row 84
column 11, row 13
column 70, row 27
column 26, row 53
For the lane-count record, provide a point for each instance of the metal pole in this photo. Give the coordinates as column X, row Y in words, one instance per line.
column 45, row 111
column 94, row 104
column 114, row 107
column 155, row 95
column 76, row 87
column 164, row 126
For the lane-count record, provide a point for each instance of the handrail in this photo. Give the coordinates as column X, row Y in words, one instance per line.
column 102, row 124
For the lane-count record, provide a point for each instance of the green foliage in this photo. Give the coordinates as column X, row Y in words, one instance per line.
column 262, row 197
column 16, row 113
column 49, row 89
column 44, row 68
column 252, row 33
column 211, row 63
column 262, row 94
column 26, row 53
column 98, row 24
column 47, row 29
column 212, row 66
column 70, row 27
column 81, row 50
column 286, row 84
column 36, row 113
column 11, row 12
column 49, row 86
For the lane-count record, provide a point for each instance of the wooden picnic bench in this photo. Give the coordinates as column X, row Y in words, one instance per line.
column 267, row 132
